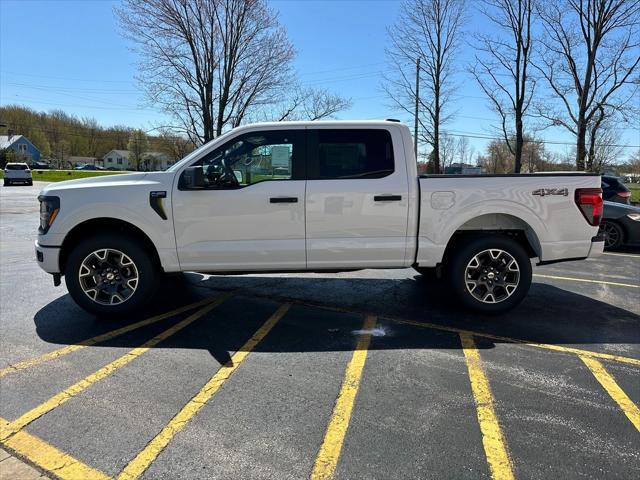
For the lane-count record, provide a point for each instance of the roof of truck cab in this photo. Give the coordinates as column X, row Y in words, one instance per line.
column 321, row 123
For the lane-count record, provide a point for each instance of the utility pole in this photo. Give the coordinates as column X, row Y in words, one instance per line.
column 415, row 120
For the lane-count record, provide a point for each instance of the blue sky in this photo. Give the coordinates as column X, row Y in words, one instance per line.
column 70, row 55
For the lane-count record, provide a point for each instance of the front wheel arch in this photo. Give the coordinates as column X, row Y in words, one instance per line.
column 111, row 276
column 105, row 226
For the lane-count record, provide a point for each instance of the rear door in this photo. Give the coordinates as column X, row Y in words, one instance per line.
column 356, row 199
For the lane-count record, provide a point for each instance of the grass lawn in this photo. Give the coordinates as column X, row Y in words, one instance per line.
column 60, row 175
column 635, row 191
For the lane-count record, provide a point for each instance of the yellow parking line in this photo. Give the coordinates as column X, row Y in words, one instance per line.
column 147, row 456
column 105, row 371
column 494, row 445
column 444, row 328
column 627, row 405
column 99, row 338
column 546, row 346
column 49, row 458
column 621, row 254
column 519, row 341
column 329, row 453
column 586, row 280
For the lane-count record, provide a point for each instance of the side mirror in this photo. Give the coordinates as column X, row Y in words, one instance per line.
column 192, row 178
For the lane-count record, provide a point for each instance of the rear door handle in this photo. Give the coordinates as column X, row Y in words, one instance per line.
column 387, row 198
column 283, row 200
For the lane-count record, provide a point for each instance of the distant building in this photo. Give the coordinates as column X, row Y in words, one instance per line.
column 155, row 161
column 23, row 148
column 119, row 159
column 116, row 159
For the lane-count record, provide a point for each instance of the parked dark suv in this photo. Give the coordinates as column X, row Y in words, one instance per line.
column 613, row 190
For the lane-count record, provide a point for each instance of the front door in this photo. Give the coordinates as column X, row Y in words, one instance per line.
column 357, row 198
column 250, row 213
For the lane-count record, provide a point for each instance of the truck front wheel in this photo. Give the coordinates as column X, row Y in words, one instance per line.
column 490, row 274
column 110, row 274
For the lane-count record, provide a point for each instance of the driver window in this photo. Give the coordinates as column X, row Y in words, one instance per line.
column 250, row 158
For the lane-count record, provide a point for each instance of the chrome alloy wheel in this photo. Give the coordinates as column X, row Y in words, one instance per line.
column 492, row 276
column 108, row 276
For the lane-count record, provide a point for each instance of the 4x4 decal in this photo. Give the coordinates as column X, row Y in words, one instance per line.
column 551, row 191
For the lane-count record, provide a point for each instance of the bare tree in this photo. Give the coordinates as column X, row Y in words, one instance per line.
column 118, row 136
column 448, row 150
column 208, row 63
column 176, row 146
column 302, row 103
column 311, row 104
column 498, row 158
column 428, row 31
column 589, row 56
column 464, row 150
column 92, row 133
column 502, row 67
column 604, row 149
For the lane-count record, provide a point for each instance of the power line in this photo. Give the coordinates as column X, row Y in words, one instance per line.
column 453, row 133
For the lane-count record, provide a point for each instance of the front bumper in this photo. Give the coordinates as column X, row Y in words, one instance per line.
column 19, row 179
column 48, row 258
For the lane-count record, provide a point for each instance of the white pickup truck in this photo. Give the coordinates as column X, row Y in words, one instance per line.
column 312, row 197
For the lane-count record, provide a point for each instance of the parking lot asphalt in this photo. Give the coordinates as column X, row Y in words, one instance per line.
column 370, row 374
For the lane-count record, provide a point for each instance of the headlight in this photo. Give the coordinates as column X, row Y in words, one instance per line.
column 49, row 208
column 634, row 216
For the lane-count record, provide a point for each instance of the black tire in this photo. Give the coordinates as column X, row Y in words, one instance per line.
column 497, row 272
column 613, row 235
column 30, row 183
column 7, row 182
column 148, row 274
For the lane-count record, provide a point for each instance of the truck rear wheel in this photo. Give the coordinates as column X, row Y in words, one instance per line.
column 111, row 274
column 490, row 274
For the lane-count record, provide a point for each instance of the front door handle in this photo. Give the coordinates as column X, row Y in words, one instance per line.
column 387, row 198
column 283, row 200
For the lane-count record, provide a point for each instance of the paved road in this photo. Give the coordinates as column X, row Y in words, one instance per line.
column 370, row 374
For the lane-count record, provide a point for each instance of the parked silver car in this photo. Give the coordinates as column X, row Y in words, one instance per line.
column 17, row 173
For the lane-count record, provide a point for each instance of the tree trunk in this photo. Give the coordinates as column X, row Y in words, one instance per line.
column 581, row 150
column 436, row 145
column 519, row 142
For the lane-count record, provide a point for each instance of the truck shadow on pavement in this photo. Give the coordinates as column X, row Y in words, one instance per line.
column 327, row 313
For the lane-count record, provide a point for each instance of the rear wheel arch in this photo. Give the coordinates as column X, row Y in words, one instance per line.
column 106, row 225
column 496, row 224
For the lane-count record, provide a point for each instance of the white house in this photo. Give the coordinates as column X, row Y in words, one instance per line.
column 116, row 159
column 119, row 159
column 155, row 161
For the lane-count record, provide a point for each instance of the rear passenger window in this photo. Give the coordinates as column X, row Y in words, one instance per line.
column 343, row 154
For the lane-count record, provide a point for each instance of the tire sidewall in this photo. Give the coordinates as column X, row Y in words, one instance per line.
column 147, row 274
column 463, row 255
column 620, row 235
